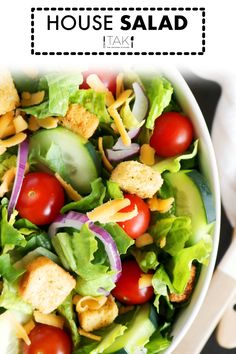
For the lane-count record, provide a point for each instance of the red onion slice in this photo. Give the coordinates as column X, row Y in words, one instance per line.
column 141, row 103
column 20, row 172
column 119, row 155
column 133, row 133
column 76, row 220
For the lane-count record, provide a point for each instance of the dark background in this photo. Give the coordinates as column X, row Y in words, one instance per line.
column 207, row 94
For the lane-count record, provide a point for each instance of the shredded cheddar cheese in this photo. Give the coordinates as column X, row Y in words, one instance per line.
column 14, row 140
column 31, row 99
column 161, row 205
column 119, row 217
column 19, row 329
column 70, row 191
column 103, row 212
column 145, row 281
column 89, row 335
column 147, row 155
column 20, row 124
column 117, row 118
column 29, row 326
column 49, row 319
column 89, row 303
column 7, row 181
column 143, row 240
column 119, row 84
column 105, row 160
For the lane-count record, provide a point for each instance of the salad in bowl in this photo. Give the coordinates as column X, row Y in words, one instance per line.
column 106, row 216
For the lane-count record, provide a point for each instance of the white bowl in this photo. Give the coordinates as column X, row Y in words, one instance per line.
column 209, row 169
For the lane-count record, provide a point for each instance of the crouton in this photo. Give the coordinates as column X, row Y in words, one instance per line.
column 137, row 178
column 9, row 98
column 45, row 285
column 91, row 320
column 80, row 121
column 188, row 290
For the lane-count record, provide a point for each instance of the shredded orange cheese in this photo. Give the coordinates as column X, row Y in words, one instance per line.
column 20, row 124
column 5, row 121
column 116, row 116
column 70, row 191
column 7, row 181
column 87, row 303
column 29, row 326
column 105, row 160
column 103, row 212
column 49, row 319
column 14, row 140
column 19, row 329
column 89, row 335
column 145, row 281
column 31, row 99
column 119, row 84
column 143, row 240
column 147, row 155
column 161, row 205
column 119, row 217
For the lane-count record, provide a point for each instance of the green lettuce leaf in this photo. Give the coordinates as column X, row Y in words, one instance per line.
column 7, row 270
column 127, row 116
column 91, row 201
column 10, row 300
column 159, row 92
column 173, row 231
column 114, row 191
column 94, row 102
column 157, row 343
column 147, row 260
column 173, row 164
column 78, row 252
column 180, row 265
column 58, row 88
column 109, row 336
column 7, row 161
column 66, row 310
column 122, row 240
column 10, row 236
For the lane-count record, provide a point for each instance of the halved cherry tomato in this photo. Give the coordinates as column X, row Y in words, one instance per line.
column 48, row 340
column 107, row 77
column 172, row 135
column 139, row 224
column 127, row 288
column 41, row 198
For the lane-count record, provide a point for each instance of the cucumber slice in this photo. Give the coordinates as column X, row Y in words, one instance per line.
column 193, row 198
column 138, row 332
column 70, row 155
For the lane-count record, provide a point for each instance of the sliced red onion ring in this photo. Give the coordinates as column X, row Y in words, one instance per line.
column 20, row 172
column 76, row 220
column 133, row 133
column 141, row 103
column 119, row 155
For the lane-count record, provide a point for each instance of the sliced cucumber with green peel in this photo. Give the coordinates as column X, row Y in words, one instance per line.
column 193, row 198
column 70, row 155
column 142, row 326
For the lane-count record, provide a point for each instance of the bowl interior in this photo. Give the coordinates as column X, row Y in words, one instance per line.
column 209, row 169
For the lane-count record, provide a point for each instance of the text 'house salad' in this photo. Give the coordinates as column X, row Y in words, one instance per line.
column 105, row 218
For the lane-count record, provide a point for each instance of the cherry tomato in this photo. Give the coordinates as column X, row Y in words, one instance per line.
column 48, row 340
column 127, row 288
column 139, row 224
column 172, row 135
column 41, row 198
column 107, row 77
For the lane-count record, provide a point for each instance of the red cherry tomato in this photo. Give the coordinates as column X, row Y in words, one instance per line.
column 41, row 198
column 48, row 340
column 172, row 135
column 107, row 77
column 127, row 288
column 139, row 224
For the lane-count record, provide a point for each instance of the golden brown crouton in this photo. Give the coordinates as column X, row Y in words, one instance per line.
column 9, row 98
column 45, row 285
column 188, row 290
column 91, row 320
column 79, row 120
column 137, row 178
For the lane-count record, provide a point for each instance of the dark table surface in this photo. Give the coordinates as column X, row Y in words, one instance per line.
column 207, row 93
